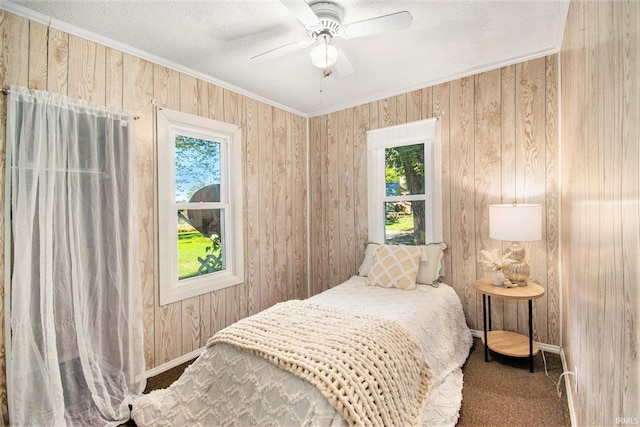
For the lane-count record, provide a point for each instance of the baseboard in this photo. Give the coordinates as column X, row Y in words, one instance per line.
column 549, row 348
column 569, row 390
column 173, row 363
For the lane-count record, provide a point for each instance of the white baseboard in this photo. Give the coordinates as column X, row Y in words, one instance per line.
column 569, row 390
column 549, row 348
column 173, row 363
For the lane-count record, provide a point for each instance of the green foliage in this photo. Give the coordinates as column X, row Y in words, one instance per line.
column 197, row 164
column 216, row 245
column 399, row 223
column 398, row 158
column 393, row 174
column 405, row 166
column 191, row 246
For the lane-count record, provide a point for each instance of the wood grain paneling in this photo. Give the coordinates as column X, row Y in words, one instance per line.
column 488, row 183
column 57, row 61
column 333, row 215
column 274, row 168
column 299, row 205
column 113, row 85
column 279, row 190
column 38, row 41
column 439, row 96
column 552, row 204
column 167, row 322
column 345, row 182
column 600, row 154
column 252, row 206
column 318, row 253
column 266, row 216
column 361, row 217
column 86, row 70
column 499, row 145
column 462, row 194
column 14, row 69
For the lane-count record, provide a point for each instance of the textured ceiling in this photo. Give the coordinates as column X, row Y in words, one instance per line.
column 215, row 40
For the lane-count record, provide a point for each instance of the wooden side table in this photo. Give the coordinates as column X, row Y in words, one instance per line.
column 504, row 342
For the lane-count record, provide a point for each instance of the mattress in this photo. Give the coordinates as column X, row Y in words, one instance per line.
column 226, row 386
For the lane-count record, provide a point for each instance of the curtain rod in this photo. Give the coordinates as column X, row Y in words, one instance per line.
column 6, row 92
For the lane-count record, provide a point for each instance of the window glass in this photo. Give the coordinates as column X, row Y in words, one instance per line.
column 200, row 205
column 404, row 170
column 404, row 223
column 200, row 242
column 197, row 169
column 404, row 184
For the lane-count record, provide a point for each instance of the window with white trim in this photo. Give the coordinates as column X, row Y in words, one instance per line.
column 405, row 184
column 199, row 205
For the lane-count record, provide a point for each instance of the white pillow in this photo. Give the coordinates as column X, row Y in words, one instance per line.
column 431, row 262
column 369, row 256
column 395, row 267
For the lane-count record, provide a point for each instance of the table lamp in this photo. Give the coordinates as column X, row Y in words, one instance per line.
column 516, row 223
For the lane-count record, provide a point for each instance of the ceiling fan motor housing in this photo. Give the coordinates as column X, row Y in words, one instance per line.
column 330, row 16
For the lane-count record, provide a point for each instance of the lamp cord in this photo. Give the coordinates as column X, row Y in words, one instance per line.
column 544, row 359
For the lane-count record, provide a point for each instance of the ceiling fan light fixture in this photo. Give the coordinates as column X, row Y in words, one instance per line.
column 324, row 55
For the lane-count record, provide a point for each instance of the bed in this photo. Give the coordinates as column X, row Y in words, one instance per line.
column 240, row 379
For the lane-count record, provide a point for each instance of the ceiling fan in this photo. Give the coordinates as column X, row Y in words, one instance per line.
column 322, row 21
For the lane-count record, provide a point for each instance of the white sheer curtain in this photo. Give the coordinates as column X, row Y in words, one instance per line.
column 75, row 355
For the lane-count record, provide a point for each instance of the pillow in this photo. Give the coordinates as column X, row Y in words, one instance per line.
column 369, row 256
column 430, row 264
column 395, row 267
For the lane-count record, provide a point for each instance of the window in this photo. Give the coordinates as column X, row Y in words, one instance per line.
column 405, row 190
column 199, row 205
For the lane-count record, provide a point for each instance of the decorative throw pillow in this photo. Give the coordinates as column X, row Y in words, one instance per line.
column 395, row 267
column 430, row 264
column 369, row 256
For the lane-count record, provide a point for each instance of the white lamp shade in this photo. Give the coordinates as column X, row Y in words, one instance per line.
column 324, row 55
column 515, row 223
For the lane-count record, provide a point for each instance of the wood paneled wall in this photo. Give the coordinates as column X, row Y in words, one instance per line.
column 600, row 155
column 499, row 144
column 274, row 168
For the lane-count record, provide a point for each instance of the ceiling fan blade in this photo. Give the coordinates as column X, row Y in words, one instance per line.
column 281, row 50
column 302, row 11
column 381, row 24
column 344, row 67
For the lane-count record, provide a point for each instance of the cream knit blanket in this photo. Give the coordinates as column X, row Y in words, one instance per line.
column 370, row 369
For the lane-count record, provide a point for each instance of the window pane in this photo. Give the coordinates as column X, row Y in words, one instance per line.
column 200, row 242
column 404, row 223
column 404, row 170
column 197, row 170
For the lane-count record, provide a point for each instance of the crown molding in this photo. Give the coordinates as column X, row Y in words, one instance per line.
column 91, row 36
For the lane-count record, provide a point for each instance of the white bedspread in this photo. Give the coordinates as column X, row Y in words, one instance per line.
column 228, row 387
column 434, row 317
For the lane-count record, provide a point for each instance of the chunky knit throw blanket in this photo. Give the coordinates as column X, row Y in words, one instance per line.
column 370, row 369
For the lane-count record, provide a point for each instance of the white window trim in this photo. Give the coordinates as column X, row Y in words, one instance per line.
column 423, row 131
column 170, row 123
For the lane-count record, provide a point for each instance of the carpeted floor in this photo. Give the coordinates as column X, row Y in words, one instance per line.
column 501, row 392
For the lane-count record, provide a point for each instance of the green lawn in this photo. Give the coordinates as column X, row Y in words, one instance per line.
column 402, row 223
column 191, row 245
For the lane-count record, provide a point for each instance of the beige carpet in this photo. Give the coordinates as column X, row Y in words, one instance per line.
column 501, row 392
